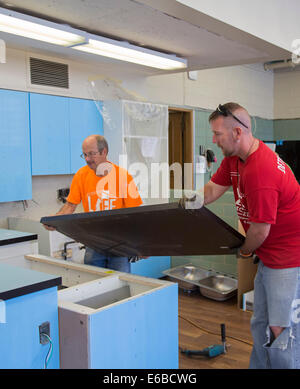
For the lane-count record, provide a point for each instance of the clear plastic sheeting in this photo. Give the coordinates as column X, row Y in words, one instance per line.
column 137, row 134
column 108, row 89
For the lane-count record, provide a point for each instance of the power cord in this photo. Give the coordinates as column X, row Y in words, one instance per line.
column 213, row 333
column 49, row 354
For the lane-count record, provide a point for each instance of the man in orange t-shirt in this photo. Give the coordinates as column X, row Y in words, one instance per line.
column 101, row 185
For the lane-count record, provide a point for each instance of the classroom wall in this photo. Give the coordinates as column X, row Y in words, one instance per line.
column 287, row 104
column 250, row 85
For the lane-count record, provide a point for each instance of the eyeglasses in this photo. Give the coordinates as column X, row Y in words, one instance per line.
column 225, row 112
column 91, row 154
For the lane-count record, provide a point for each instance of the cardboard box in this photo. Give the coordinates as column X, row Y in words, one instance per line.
column 246, row 274
column 248, row 299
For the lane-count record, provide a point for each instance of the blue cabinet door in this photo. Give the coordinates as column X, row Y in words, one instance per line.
column 85, row 120
column 50, row 137
column 15, row 166
column 151, row 267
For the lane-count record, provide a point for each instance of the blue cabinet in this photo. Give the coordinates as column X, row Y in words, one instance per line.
column 151, row 267
column 29, row 298
column 58, row 127
column 119, row 322
column 85, row 120
column 50, row 146
column 15, row 166
column 19, row 336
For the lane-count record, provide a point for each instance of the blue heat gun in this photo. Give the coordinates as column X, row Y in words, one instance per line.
column 210, row 351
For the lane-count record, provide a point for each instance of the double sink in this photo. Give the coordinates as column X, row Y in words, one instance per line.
column 211, row 284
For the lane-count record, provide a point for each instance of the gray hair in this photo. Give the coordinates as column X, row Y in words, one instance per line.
column 101, row 143
column 231, row 107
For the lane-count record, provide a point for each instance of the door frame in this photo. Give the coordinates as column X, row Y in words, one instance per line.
column 189, row 122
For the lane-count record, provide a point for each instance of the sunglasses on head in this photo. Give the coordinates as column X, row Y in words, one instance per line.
column 225, row 112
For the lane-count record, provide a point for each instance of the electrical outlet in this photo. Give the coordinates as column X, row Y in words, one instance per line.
column 62, row 194
column 44, row 328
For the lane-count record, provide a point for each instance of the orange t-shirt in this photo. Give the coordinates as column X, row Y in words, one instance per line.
column 113, row 191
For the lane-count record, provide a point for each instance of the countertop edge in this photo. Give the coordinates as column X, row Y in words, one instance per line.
column 35, row 287
column 18, row 239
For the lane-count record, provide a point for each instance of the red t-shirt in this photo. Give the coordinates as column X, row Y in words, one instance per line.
column 266, row 191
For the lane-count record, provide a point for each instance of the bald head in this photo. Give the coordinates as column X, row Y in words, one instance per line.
column 243, row 115
column 99, row 140
column 234, row 116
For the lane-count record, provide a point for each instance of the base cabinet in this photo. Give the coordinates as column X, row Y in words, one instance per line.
column 151, row 267
column 119, row 323
column 19, row 335
column 110, row 320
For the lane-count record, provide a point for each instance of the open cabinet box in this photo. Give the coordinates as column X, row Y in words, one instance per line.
column 110, row 319
column 118, row 322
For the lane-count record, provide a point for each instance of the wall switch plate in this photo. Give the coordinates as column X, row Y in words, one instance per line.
column 44, row 328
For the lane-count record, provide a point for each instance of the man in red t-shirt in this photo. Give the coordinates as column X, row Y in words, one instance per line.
column 267, row 198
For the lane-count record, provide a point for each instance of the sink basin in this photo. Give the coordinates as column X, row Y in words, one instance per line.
column 218, row 287
column 187, row 276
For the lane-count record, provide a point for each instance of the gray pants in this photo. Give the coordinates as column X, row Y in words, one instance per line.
column 276, row 303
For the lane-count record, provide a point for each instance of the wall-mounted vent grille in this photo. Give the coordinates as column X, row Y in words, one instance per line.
column 49, row 73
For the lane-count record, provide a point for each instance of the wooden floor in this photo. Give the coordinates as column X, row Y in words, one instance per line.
column 199, row 327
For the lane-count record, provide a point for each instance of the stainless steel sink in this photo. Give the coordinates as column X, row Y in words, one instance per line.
column 187, row 276
column 215, row 286
column 218, row 287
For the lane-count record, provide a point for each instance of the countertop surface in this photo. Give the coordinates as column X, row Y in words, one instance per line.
column 12, row 236
column 16, row 281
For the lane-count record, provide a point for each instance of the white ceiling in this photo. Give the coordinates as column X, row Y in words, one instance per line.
column 163, row 25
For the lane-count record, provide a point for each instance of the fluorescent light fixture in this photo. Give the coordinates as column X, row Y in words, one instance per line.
column 28, row 29
column 130, row 53
column 34, row 28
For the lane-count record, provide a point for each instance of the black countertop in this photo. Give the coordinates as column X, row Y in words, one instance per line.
column 10, row 236
column 16, row 281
